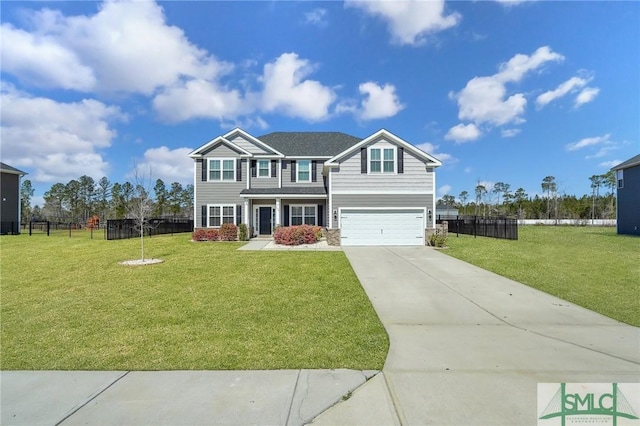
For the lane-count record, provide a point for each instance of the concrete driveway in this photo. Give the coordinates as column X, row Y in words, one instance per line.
column 469, row 347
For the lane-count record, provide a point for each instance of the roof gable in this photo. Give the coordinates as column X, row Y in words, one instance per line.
column 5, row 168
column 239, row 132
column 199, row 152
column 633, row 161
column 432, row 161
column 310, row 144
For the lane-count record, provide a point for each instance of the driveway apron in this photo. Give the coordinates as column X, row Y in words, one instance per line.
column 469, row 346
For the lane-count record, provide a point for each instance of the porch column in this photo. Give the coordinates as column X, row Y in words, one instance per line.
column 278, row 211
column 247, row 213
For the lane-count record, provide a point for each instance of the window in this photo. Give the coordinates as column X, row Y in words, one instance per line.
column 222, row 169
column 620, row 179
column 303, row 215
column 264, row 168
column 382, row 160
column 221, row 214
column 304, row 171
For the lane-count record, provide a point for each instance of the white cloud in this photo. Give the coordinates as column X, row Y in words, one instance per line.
column 56, row 141
column 610, row 164
column 569, row 86
column 286, row 90
column 462, row 133
column 509, row 133
column 586, row 142
column 170, row 165
column 198, row 99
column 409, row 21
column 468, row 169
column 444, row 190
column 586, row 96
column 317, row 16
column 484, row 99
column 379, row 101
column 432, row 149
column 512, row 2
column 126, row 46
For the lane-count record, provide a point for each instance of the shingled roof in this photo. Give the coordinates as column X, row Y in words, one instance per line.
column 310, row 144
column 5, row 168
column 633, row 161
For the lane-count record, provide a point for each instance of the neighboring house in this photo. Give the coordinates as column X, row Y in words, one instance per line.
column 10, row 196
column 628, row 205
column 373, row 191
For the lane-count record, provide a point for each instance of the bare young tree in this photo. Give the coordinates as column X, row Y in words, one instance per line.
column 141, row 206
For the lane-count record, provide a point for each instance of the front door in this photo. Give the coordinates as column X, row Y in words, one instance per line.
column 264, row 227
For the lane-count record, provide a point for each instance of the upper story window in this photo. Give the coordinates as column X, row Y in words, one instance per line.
column 304, row 171
column 620, row 179
column 382, row 160
column 221, row 169
column 264, row 168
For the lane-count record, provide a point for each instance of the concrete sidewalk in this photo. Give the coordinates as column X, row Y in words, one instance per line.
column 469, row 347
column 281, row 397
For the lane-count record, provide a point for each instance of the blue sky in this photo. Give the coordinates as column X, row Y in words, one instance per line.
column 499, row 91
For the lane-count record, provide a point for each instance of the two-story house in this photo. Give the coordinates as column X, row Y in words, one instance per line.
column 374, row 191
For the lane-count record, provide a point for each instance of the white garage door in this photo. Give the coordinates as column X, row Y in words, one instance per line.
column 387, row 227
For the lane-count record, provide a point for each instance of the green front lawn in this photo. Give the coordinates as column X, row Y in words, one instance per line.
column 588, row 266
column 67, row 304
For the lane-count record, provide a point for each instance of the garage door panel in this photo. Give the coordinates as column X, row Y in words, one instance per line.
column 382, row 227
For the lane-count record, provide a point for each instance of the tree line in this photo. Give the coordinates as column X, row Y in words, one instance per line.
column 81, row 199
column 501, row 200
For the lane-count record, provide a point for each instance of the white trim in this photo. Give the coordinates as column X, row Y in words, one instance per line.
column 220, row 139
column 252, row 139
column 381, row 148
column 298, row 172
column 330, row 196
column 377, row 191
column 222, row 160
column 247, row 213
column 303, row 206
column 307, row 157
column 434, row 162
column 258, row 168
column 280, row 173
column 287, row 196
column 278, row 210
column 248, row 174
column 221, row 215
column 433, row 207
column 195, row 194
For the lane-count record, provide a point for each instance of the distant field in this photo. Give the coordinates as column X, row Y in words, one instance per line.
column 66, row 304
column 589, row 266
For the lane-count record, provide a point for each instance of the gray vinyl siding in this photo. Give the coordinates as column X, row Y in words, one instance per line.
column 629, row 202
column 220, row 151
column 248, row 146
column 286, row 175
column 383, row 200
column 416, row 175
column 217, row 192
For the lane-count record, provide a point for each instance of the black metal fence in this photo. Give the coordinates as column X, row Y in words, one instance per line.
column 494, row 227
column 7, row 227
column 120, row 229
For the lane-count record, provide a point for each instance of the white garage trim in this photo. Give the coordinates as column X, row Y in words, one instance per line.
column 404, row 225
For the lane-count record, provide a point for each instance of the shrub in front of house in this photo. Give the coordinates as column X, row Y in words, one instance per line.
column 296, row 235
column 228, row 232
column 206, row 235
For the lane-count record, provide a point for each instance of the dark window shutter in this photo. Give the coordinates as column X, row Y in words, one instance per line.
column 286, row 215
column 274, row 171
column 314, row 172
column 363, row 160
column 293, row 170
column 238, row 214
column 320, row 215
column 401, row 160
column 239, row 170
column 204, row 216
column 204, row 169
column 284, row 164
column 254, row 172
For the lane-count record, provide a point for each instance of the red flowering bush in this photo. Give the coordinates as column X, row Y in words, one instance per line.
column 228, row 232
column 296, row 235
column 206, row 235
